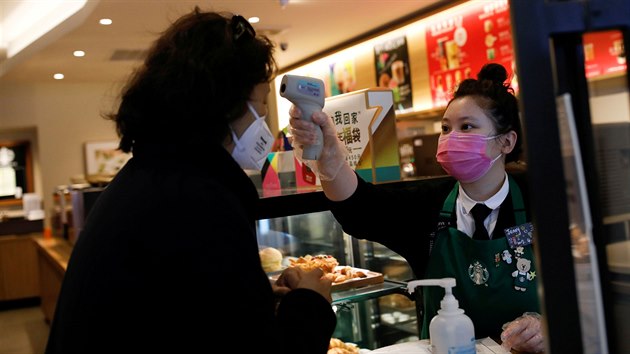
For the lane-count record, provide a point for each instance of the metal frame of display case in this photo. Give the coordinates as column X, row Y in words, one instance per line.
column 297, row 202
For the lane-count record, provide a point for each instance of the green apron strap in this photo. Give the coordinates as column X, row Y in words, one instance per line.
column 449, row 204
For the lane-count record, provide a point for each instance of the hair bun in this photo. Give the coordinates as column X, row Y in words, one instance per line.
column 493, row 72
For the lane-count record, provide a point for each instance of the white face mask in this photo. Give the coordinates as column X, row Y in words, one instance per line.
column 252, row 148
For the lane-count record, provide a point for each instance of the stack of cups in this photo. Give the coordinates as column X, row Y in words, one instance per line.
column 32, row 206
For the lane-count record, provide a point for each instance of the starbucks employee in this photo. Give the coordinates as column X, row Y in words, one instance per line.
column 474, row 227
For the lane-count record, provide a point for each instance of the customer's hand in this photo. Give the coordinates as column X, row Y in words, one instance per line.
column 279, row 290
column 296, row 278
column 304, row 132
column 524, row 334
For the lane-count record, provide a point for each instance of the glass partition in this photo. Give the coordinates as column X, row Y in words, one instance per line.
column 606, row 72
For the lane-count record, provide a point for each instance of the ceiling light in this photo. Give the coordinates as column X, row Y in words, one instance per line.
column 105, row 21
column 253, row 19
column 28, row 21
column 58, row 76
column 78, row 53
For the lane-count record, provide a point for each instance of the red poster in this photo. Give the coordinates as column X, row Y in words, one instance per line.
column 604, row 53
column 461, row 40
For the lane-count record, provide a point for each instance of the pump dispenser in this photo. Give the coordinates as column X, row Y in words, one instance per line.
column 451, row 331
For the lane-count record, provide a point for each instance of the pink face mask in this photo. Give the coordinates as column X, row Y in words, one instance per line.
column 463, row 155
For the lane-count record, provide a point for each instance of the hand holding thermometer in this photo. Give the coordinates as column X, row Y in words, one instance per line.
column 307, row 94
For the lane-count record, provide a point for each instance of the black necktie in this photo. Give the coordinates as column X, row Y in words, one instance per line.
column 480, row 212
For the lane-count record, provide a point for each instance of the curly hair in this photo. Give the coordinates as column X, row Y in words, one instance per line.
column 195, row 81
column 497, row 99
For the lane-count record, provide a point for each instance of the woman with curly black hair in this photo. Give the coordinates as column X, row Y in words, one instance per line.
column 168, row 260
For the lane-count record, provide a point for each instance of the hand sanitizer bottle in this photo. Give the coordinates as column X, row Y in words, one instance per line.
column 451, row 331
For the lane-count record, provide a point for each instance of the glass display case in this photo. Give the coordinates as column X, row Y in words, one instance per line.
column 370, row 316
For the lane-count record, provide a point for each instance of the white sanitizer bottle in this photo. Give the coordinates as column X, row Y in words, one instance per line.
column 451, row 331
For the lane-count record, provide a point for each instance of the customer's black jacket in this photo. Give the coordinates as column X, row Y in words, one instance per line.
column 168, row 262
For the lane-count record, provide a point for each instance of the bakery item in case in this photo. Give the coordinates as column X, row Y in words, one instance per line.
column 344, row 273
column 326, row 263
column 270, row 259
column 337, row 346
column 342, row 277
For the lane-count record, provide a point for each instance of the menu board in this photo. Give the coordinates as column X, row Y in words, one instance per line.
column 604, row 53
column 461, row 40
column 391, row 60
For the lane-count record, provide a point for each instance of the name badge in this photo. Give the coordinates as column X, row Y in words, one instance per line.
column 520, row 235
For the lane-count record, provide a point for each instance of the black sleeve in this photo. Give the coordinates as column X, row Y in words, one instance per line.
column 306, row 321
column 399, row 217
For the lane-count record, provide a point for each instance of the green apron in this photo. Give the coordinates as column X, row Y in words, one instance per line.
column 489, row 287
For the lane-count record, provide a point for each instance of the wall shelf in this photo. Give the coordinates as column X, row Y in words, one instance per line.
column 435, row 113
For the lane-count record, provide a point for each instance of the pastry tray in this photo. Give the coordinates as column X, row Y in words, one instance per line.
column 371, row 278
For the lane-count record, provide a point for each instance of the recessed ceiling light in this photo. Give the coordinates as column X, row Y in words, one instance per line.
column 58, row 76
column 79, row 53
column 253, row 19
column 105, row 21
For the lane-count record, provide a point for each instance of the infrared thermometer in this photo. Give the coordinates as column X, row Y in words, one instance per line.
column 307, row 94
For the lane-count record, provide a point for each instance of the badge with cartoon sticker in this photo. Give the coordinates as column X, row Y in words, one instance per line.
column 522, row 275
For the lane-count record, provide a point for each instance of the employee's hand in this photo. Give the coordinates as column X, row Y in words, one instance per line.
column 297, row 278
column 303, row 132
column 524, row 334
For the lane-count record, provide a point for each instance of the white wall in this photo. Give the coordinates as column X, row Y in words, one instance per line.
column 62, row 117
column 610, row 108
column 609, row 100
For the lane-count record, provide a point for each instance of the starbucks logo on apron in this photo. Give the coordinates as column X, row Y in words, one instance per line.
column 478, row 273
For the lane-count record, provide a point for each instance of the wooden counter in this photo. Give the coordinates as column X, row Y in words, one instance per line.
column 53, row 254
column 20, row 226
column 18, row 267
